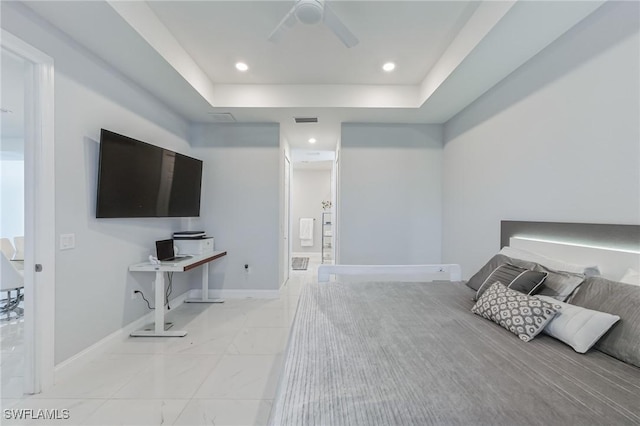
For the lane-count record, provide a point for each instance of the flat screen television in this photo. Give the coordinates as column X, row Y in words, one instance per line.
column 137, row 179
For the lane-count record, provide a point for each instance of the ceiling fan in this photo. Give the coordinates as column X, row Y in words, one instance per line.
column 311, row 12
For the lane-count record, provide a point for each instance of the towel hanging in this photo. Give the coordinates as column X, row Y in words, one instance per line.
column 306, row 231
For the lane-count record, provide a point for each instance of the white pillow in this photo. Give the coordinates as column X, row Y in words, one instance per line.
column 558, row 265
column 578, row 327
column 631, row 277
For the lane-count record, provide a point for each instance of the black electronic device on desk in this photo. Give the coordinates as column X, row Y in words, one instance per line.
column 165, row 251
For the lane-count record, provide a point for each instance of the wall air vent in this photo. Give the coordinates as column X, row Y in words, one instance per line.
column 306, row 119
column 221, row 117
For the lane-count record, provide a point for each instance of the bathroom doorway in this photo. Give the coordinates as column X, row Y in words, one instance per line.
column 312, row 218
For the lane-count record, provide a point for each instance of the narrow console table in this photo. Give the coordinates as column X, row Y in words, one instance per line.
column 160, row 328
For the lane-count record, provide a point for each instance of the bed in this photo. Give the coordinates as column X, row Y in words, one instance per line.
column 396, row 353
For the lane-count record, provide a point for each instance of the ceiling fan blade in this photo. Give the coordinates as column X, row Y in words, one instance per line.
column 334, row 23
column 287, row 23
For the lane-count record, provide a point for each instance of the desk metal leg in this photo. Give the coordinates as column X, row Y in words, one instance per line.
column 160, row 328
column 205, row 289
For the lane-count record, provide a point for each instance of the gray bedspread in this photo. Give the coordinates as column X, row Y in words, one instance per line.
column 414, row 354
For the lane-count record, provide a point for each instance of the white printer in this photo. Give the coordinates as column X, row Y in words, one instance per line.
column 193, row 242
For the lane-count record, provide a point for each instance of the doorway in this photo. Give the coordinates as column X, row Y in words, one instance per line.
column 32, row 72
column 12, row 223
column 312, row 218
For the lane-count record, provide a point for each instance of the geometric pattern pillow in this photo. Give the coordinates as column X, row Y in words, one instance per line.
column 523, row 315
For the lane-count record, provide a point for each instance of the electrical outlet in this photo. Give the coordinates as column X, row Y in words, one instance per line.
column 67, row 241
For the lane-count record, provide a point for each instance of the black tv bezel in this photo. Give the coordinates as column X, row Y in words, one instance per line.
column 98, row 214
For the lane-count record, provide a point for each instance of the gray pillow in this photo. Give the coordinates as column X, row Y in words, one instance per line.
column 514, row 278
column 525, row 316
column 480, row 277
column 559, row 284
column 616, row 298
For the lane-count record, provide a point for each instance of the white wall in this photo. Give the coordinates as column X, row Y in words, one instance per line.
column 309, row 189
column 390, row 194
column 241, row 205
column 556, row 141
column 11, row 199
column 93, row 285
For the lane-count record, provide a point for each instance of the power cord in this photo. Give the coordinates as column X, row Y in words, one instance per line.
column 169, row 290
column 166, row 294
column 144, row 298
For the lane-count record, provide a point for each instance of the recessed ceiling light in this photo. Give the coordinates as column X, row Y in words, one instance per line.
column 389, row 66
column 312, row 140
column 241, row 66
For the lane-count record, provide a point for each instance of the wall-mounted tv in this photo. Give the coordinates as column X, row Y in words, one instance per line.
column 137, row 179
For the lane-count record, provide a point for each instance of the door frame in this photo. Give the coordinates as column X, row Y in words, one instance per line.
column 287, row 218
column 39, row 223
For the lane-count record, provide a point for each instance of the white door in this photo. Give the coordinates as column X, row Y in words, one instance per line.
column 287, row 213
column 39, row 220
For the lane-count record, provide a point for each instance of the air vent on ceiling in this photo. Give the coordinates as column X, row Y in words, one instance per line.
column 221, row 117
column 306, row 119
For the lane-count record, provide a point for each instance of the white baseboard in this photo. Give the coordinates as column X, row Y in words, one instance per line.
column 235, row 294
column 90, row 353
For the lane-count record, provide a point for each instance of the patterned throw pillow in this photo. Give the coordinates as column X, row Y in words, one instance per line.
column 523, row 315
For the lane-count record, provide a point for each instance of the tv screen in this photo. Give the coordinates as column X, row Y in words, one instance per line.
column 137, row 179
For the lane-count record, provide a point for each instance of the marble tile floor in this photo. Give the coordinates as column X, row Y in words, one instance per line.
column 224, row 372
column 11, row 357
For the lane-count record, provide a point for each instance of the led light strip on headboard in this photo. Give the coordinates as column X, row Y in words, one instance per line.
column 612, row 261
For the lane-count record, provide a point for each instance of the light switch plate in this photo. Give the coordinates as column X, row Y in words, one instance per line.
column 67, row 241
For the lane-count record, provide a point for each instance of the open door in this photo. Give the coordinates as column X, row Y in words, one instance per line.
column 39, row 217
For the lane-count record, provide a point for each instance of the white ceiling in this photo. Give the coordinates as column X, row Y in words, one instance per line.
column 218, row 34
column 448, row 53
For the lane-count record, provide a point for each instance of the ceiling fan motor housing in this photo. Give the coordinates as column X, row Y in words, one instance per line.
column 309, row 11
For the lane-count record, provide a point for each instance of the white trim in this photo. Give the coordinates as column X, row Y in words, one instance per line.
column 24, row 50
column 286, row 220
column 325, row 271
column 92, row 352
column 236, row 294
column 39, row 214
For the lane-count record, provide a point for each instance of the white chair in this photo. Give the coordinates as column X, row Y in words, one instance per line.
column 18, row 242
column 7, row 248
column 11, row 280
